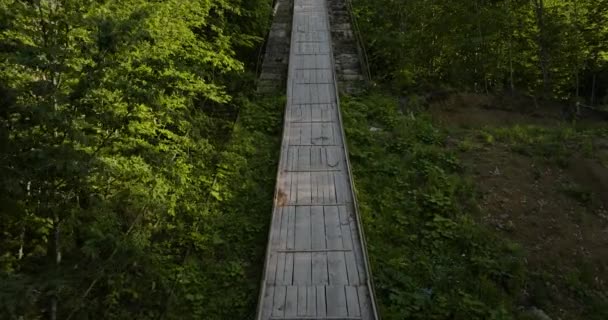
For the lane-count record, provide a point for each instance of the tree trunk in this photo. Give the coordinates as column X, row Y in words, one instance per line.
column 508, row 8
column 511, row 80
column 542, row 45
column 577, row 85
column 481, row 47
column 54, row 255
column 593, row 86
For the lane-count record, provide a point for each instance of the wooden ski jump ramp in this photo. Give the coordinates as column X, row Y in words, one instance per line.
column 316, row 265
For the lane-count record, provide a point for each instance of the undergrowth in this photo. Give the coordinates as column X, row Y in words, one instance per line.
column 430, row 260
column 236, row 226
column 555, row 144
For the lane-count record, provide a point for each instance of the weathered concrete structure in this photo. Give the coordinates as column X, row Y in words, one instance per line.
column 348, row 56
column 273, row 76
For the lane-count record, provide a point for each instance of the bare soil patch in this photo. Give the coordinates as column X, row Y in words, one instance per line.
column 555, row 211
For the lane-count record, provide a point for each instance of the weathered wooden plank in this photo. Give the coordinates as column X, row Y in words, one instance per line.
column 302, row 300
column 302, row 268
column 318, row 138
column 320, row 275
column 288, row 276
column 302, row 92
column 330, row 114
column 280, row 272
column 311, row 301
column 292, row 196
column 352, row 302
column 334, row 157
column 336, row 262
column 296, row 114
column 321, row 187
column 365, row 302
column 304, row 61
column 308, row 76
column 293, row 139
column 332, row 228
column 352, row 268
column 303, row 158
column 291, row 301
column 316, row 158
column 303, row 261
column 345, row 221
column 331, row 188
column 336, row 301
column 321, row 302
column 322, row 61
column 278, row 305
column 284, row 188
column 336, row 268
column 347, row 241
column 290, row 244
column 342, row 187
column 328, row 129
column 290, row 226
column 299, row 90
column 358, row 254
column 267, row 301
column 317, row 227
column 284, row 155
column 316, row 113
column 292, row 154
column 324, row 47
column 303, row 228
column 304, row 187
column 337, row 134
column 275, row 243
column 317, row 193
column 307, row 133
column 324, row 76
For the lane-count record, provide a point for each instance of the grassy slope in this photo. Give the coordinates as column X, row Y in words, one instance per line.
column 432, row 258
column 543, row 183
column 238, row 223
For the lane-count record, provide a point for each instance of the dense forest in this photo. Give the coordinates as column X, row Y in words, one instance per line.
column 122, row 127
column 480, row 157
column 547, row 48
column 137, row 164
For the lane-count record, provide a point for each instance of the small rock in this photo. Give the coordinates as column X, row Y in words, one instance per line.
column 495, row 172
column 539, row 314
column 601, row 144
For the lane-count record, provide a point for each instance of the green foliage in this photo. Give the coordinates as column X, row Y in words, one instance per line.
column 220, row 280
column 551, row 144
column 430, row 259
column 551, row 48
column 114, row 166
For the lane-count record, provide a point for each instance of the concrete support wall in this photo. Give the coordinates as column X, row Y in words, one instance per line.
column 345, row 47
column 273, row 77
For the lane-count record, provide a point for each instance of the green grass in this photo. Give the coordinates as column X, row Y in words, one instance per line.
column 430, row 260
column 222, row 280
column 555, row 144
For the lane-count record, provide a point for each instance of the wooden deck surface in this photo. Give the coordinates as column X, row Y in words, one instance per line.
column 316, row 265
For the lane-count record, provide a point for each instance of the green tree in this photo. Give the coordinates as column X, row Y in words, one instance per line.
column 106, row 151
column 540, row 47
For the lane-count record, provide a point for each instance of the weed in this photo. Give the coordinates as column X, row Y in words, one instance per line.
column 581, row 194
column 430, row 260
